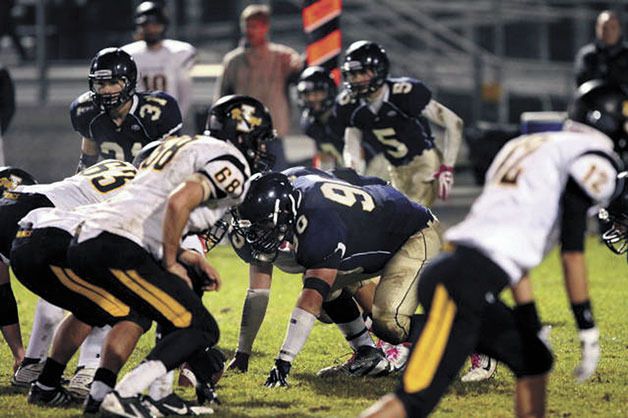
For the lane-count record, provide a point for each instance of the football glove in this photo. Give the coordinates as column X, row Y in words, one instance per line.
column 278, row 376
column 590, row 353
column 240, row 362
column 445, row 178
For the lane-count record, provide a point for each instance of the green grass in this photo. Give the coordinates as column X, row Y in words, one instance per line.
column 243, row 395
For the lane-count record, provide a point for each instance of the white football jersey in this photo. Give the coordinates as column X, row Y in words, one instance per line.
column 137, row 213
column 166, row 69
column 515, row 221
column 92, row 185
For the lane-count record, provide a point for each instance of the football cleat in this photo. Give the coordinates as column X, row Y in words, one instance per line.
column 27, row 374
column 174, row 405
column 81, row 382
column 91, row 406
column 131, row 407
column 397, row 355
column 56, row 397
column 367, row 361
column 482, row 368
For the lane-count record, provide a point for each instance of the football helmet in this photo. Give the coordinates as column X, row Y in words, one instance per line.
column 112, row 65
column 151, row 12
column 312, row 80
column 266, row 216
column 246, row 123
column 603, row 106
column 615, row 218
column 360, row 57
column 11, row 177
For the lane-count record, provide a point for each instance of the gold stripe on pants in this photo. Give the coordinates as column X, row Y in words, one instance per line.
column 431, row 345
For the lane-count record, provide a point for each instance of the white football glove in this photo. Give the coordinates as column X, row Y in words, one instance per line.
column 590, row 347
column 445, row 178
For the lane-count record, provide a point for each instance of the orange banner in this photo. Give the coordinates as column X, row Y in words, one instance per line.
column 320, row 13
column 325, row 48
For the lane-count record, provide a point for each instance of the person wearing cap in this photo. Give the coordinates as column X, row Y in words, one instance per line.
column 262, row 69
column 163, row 64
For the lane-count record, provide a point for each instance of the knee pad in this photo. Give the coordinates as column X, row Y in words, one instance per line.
column 342, row 309
column 537, row 358
column 389, row 329
column 8, row 306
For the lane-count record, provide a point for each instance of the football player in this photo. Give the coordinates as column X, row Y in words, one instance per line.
column 392, row 114
column 79, row 189
column 559, row 175
column 163, row 64
column 341, row 233
column 317, row 92
column 343, row 310
column 115, row 121
column 10, row 178
column 131, row 245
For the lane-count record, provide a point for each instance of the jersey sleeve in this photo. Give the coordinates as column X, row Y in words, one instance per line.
column 595, row 173
column 417, row 97
column 227, row 175
column 171, row 120
column 82, row 111
column 320, row 245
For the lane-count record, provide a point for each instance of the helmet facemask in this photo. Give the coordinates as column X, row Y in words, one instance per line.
column 110, row 101
column 616, row 235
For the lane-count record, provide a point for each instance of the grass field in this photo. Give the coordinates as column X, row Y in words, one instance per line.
column 308, row 396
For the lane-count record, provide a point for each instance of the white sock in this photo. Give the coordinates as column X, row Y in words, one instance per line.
column 98, row 390
column 138, row 379
column 47, row 317
column 90, row 349
column 356, row 334
column 299, row 328
column 161, row 387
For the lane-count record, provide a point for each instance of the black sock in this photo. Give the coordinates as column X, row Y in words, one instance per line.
column 106, row 376
column 51, row 374
column 30, row 360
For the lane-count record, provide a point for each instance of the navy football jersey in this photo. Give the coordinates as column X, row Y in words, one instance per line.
column 328, row 136
column 397, row 129
column 342, row 225
column 153, row 116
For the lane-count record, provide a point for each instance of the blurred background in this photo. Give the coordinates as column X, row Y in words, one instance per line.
column 487, row 60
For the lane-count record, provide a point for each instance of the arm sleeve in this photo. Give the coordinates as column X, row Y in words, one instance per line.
column 226, row 176
column 184, row 85
column 574, row 219
column 441, row 116
column 171, row 120
column 352, row 151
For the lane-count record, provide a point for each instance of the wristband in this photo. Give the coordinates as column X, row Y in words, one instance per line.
column 583, row 314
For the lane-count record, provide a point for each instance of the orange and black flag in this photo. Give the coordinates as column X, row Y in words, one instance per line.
column 321, row 24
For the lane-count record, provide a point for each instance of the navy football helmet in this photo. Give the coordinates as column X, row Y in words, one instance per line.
column 112, row 65
column 615, row 218
column 246, row 123
column 11, row 177
column 362, row 56
column 603, row 106
column 266, row 217
column 312, row 80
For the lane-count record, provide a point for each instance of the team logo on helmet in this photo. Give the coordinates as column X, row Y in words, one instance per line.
column 245, row 116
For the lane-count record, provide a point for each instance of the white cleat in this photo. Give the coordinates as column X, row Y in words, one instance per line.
column 482, row 368
column 27, row 375
column 116, row 406
column 397, row 355
column 81, row 382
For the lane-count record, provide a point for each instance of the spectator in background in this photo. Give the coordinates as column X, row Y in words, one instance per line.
column 606, row 58
column 7, row 106
column 163, row 64
column 262, row 69
column 7, row 27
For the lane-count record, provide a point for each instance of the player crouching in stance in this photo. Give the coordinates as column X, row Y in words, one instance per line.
column 341, row 234
column 538, row 188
